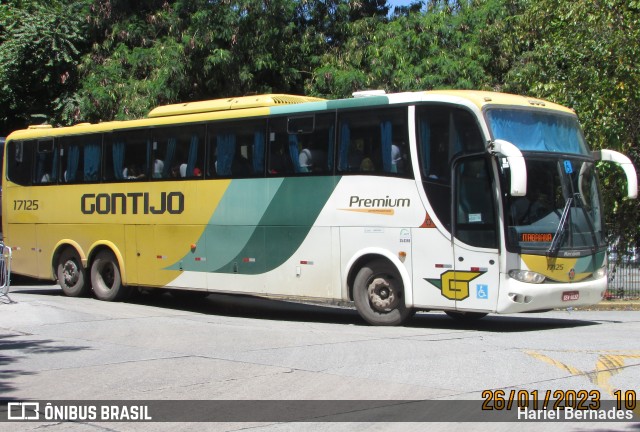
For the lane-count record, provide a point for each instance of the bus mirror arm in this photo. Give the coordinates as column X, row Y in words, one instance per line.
column 625, row 164
column 518, row 168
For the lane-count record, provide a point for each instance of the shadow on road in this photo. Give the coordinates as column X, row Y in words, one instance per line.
column 280, row 310
column 15, row 347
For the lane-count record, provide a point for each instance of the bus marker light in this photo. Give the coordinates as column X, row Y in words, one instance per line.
column 305, row 262
column 201, row 259
column 248, row 260
column 479, row 269
column 161, row 257
column 402, row 256
column 193, row 247
column 445, row 266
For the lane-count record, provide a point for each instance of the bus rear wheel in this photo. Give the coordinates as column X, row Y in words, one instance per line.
column 105, row 277
column 72, row 276
column 378, row 293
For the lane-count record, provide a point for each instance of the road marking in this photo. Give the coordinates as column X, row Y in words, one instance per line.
column 607, row 365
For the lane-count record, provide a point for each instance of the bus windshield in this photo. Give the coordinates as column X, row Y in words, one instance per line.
column 561, row 211
column 537, row 130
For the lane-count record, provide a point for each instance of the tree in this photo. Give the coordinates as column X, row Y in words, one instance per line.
column 445, row 46
column 40, row 45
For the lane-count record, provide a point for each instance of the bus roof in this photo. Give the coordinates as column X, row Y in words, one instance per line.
column 262, row 105
column 244, row 102
column 483, row 99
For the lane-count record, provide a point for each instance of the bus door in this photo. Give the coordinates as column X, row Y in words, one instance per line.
column 475, row 229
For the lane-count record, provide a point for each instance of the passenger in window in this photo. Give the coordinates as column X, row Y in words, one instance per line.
column 175, row 171
column 197, row 172
column 367, row 165
column 133, row 173
column 396, row 159
column 312, row 159
column 280, row 161
column 305, row 159
column 158, row 167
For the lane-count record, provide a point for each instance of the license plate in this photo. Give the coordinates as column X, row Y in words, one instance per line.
column 570, row 295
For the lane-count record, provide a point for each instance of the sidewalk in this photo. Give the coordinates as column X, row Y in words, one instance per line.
column 614, row 305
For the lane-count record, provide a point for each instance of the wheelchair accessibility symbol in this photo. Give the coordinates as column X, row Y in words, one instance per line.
column 482, row 292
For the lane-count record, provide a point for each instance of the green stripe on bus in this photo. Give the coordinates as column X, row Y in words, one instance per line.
column 259, row 224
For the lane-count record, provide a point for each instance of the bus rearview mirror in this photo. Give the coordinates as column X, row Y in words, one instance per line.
column 518, row 167
column 625, row 164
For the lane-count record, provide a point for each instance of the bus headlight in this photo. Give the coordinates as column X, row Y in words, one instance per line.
column 527, row 276
column 600, row 273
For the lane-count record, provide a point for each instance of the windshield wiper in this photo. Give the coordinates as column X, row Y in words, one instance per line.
column 557, row 238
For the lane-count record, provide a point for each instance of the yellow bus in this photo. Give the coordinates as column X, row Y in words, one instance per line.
column 466, row 202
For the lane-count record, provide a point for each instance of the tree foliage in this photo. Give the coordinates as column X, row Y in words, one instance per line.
column 165, row 51
column 41, row 44
column 446, row 46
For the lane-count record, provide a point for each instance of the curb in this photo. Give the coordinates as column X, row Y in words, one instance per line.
column 613, row 305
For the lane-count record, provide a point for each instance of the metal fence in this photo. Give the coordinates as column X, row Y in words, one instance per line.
column 624, row 281
column 5, row 269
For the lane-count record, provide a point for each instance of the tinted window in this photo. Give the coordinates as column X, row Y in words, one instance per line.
column 178, row 152
column 20, row 155
column 46, row 162
column 236, row 149
column 444, row 132
column 302, row 145
column 374, row 142
column 80, row 158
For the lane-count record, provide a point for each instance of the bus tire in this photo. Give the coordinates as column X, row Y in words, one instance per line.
column 72, row 276
column 105, row 277
column 378, row 293
column 465, row 316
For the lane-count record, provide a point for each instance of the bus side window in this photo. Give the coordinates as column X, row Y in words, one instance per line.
column 80, row 158
column 374, row 143
column 475, row 215
column 127, row 156
column 20, row 155
column 283, row 149
column 236, row 149
column 177, row 152
column 467, row 133
column 46, row 162
column 315, row 135
column 302, row 145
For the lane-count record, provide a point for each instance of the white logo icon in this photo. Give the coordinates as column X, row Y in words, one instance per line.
column 23, row 411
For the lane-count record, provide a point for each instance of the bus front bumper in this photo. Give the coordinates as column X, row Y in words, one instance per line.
column 519, row 296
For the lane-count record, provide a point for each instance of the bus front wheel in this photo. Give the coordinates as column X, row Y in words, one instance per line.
column 379, row 294
column 105, row 277
column 72, row 276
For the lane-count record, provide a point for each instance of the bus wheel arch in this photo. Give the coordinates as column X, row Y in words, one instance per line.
column 69, row 270
column 377, row 288
column 106, row 275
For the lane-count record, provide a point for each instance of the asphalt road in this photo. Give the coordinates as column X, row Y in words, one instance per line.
column 238, row 348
